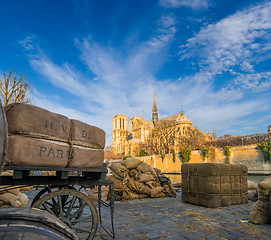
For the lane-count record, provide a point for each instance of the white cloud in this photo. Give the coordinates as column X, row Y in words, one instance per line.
column 123, row 81
column 121, row 84
column 27, row 43
column 255, row 82
column 232, row 43
column 60, row 76
column 194, row 4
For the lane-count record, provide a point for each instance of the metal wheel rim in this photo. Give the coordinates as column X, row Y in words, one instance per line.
column 64, row 205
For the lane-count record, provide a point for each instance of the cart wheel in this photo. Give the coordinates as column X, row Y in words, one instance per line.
column 49, row 189
column 73, row 208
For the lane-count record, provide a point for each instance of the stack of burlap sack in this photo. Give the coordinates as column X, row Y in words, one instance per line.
column 260, row 212
column 39, row 138
column 134, row 179
column 214, row 184
column 11, row 197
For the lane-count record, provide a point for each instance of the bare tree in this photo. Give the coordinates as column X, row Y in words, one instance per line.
column 239, row 140
column 14, row 88
column 195, row 140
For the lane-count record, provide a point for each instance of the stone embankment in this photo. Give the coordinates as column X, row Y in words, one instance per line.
column 249, row 155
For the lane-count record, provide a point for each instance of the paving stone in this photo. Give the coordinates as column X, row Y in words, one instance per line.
column 213, row 237
column 238, row 234
column 166, row 218
column 176, row 237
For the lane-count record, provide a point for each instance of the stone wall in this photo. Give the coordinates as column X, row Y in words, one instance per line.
column 249, row 155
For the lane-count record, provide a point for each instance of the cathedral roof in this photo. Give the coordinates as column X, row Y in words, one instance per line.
column 176, row 118
column 147, row 123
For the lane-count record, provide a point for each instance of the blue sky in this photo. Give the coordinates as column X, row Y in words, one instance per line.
column 90, row 60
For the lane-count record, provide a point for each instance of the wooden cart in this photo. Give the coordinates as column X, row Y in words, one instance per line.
column 62, row 195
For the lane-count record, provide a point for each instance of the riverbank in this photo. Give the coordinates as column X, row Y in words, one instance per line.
column 256, row 178
column 171, row 219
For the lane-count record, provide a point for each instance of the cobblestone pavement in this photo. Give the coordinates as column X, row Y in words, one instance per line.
column 171, row 219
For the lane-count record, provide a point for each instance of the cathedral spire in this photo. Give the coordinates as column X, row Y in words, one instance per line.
column 154, row 110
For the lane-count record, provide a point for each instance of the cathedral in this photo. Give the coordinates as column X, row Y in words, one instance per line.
column 162, row 134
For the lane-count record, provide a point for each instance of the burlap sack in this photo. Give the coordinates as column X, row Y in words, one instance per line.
column 131, row 163
column 146, row 177
column 126, row 195
column 138, row 187
column 83, row 157
column 155, row 191
column 33, row 152
column 214, row 185
column 152, row 184
column 119, row 187
column 30, row 120
column 141, row 196
column 86, row 135
column 172, row 190
column 129, row 195
column 252, row 195
column 132, row 195
column 259, row 213
column 158, row 171
column 166, row 190
column 134, row 174
column 93, row 193
column 160, row 195
column 213, row 169
column 266, row 183
column 119, row 169
column 144, row 190
column 23, row 199
column 251, row 185
column 144, row 168
column 134, row 185
column 263, row 194
column 11, row 199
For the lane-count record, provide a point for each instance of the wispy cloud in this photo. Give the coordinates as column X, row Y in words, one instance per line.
column 122, row 82
column 235, row 45
column 60, row 76
column 194, row 4
column 27, row 43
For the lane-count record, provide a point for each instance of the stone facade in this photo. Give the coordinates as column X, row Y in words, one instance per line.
column 167, row 131
column 119, row 134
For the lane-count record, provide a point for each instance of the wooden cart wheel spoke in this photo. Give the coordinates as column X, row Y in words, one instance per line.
column 70, row 206
column 74, row 208
column 48, row 209
column 54, row 201
column 50, row 204
column 81, row 208
column 60, row 206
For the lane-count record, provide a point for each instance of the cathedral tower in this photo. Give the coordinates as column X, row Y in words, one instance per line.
column 154, row 110
column 119, row 133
